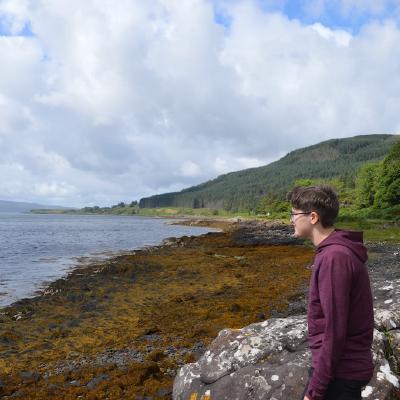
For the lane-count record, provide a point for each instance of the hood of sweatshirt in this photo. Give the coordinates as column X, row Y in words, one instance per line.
column 350, row 239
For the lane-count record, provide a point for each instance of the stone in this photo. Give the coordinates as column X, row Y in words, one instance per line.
column 95, row 381
column 387, row 295
column 18, row 394
column 235, row 307
column 164, row 392
column 29, row 377
column 54, row 386
column 394, row 345
column 262, row 233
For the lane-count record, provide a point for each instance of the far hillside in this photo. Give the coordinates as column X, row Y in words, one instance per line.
column 7, row 206
column 242, row 190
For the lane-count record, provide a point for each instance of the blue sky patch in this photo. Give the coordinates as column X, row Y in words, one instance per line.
column 331, row 14
column 6, row 27
column 221, row 16
column 335, row 17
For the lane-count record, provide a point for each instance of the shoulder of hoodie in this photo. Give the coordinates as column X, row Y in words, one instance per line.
column 336, row 251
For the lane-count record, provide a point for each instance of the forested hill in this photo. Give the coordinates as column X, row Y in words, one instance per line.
column 242, row 190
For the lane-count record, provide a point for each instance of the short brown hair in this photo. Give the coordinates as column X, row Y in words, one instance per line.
column 321, row 199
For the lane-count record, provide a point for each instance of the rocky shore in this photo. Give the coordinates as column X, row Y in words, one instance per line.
column 154, row 324
column 270, row 359
column 122, row 328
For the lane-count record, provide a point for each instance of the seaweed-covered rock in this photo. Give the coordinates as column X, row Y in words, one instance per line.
column 264, row 232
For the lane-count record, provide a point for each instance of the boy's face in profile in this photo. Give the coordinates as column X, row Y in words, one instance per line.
column 302, row 223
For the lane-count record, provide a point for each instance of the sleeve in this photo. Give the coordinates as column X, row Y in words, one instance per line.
column 334, row 286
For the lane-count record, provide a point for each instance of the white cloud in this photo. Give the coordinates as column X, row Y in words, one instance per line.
column 54, row 189
column 220, row 165
column 341, row 38
column 227, row 163
column 250, row 162
column 189, row 168
column 113, row 101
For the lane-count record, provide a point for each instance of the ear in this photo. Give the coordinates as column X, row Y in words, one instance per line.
column 314, row 217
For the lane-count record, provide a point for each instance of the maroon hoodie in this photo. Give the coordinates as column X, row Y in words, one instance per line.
column 340, row 312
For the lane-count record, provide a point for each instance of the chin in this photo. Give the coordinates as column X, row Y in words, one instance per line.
column 296, row 234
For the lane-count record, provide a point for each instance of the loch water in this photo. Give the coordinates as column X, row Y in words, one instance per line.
column 36, row 249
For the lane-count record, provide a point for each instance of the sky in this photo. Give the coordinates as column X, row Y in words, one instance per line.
column 103, row 101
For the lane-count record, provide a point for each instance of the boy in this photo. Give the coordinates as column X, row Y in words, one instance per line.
column 340, row 311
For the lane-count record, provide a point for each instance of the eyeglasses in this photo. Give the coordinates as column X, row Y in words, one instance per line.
column 292, row 214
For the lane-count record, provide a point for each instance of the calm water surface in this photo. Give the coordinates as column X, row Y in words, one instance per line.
column 37, row 249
